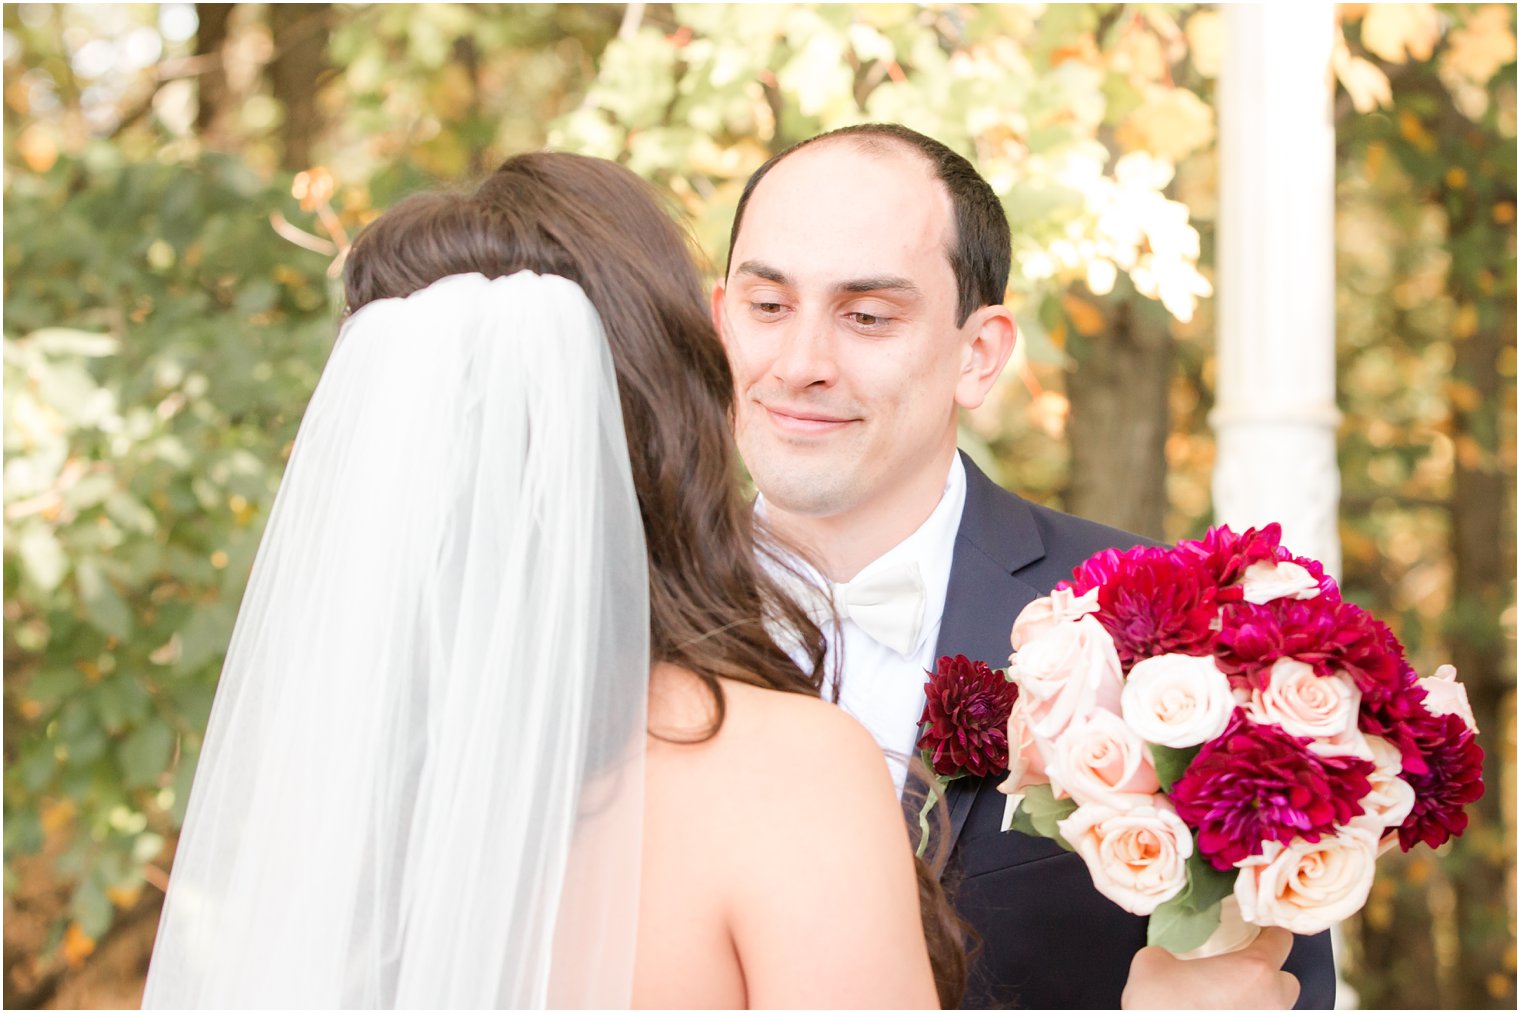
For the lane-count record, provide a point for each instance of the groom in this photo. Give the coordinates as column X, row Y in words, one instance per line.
column 862, row 307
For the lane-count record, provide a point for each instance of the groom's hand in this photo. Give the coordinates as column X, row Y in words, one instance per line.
column 1251, row 978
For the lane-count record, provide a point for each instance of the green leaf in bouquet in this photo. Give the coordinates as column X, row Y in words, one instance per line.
column 1171, row 763
column 1206, row 885
column 1038, row 814
column 1175, row 926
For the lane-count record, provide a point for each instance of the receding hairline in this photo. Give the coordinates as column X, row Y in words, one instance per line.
column 881, row 146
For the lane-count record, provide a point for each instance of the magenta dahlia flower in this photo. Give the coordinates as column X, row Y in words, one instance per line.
column 1256, row 783
column 1399, row 716
column 1226, row 554
column 1151, row 601
column 1330, row 634
column 964, row 728
column 1453, row 779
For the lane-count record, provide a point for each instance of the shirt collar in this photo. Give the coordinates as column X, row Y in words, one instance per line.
column 932, row 546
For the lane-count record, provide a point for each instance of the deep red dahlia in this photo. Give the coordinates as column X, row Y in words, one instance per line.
column 964, row 729
column 1257, row 783
column 1151, row 601
column 1453, row 779
column 1399, row 716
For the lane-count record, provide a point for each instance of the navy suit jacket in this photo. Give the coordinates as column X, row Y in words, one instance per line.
column 1048, row 938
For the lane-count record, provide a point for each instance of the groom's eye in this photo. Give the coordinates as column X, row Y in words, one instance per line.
column 869, row 320
column 766, row 309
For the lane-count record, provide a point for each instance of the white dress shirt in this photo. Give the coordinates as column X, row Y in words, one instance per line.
column 880, row 687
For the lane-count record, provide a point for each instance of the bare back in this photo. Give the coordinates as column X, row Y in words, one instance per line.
column 776, row 864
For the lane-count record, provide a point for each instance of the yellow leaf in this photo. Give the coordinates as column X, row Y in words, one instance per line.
column 37, row 147
column 1391, row 30
column 1456, row 177
column 1139, row 54
column 1485, row 43
column 1413, row 131
column 1171, row 124
column 1084, row 316
column 124, row 896
column 57, row 815
column 1466, row 323
column 76, row 945
column 1364, row 82
column 1205, row 35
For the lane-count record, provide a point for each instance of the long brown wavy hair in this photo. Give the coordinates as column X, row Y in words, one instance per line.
column 597, row 224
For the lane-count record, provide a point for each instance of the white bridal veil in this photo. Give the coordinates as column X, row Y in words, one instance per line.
column 423, row 780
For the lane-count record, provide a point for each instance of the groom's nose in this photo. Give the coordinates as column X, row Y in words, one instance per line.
column 806, row 353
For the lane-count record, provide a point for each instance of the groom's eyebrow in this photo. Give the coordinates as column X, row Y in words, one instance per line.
column 880, row 283
column 765, row 272
column 852, row 286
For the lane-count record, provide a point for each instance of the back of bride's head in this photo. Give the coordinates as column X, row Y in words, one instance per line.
column 599, row 225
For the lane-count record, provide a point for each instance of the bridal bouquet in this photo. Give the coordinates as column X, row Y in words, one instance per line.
column 1212, row 724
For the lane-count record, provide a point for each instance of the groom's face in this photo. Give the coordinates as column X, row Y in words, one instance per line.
column 838, row 314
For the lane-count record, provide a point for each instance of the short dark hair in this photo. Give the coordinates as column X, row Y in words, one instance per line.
column 980, row 253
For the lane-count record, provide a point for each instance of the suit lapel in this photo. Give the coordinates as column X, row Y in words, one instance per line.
column 997, row 537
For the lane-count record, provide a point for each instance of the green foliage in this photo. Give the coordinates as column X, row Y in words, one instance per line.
column 1187, row 920
column 1171, row 763
column 143, row 444
column 698, row 107
column 1040, row 811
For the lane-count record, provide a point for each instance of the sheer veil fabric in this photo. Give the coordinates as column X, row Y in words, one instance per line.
column 422, row 784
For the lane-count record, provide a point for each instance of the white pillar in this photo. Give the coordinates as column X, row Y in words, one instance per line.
column 1275, row 416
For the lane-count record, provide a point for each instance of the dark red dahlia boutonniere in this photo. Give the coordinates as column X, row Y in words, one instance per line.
column 964, row 728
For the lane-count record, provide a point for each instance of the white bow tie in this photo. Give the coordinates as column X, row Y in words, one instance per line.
column 887, row 604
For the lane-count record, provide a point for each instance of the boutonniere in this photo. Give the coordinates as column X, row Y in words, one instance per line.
column 964, row 728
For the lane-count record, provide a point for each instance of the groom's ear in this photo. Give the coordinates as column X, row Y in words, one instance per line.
column 987, row 341
column 715, row 308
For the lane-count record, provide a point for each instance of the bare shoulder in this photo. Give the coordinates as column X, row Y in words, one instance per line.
column 786, row 728
column 784, row 810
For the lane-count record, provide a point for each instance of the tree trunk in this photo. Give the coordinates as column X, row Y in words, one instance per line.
column 1119, row 414
column 210, row 34
column 300, row 41
column 1482, row 532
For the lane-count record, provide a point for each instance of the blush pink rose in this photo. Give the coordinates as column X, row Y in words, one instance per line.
column 1391, row 798
column 1445, row 695
column 1026, row 759
column 1043, row 614
column 1070, row 670
column 1306, row 887
column 1305, row 703
column 1099, row 760
column 1177, row 700
column 1137, row 857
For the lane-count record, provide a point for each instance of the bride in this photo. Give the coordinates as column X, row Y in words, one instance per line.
column 502, row 722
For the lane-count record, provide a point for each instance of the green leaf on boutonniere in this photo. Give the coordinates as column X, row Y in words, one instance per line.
column 1038, row 814
column 1206, row 885
column 1171, row 763
column 1175, row 926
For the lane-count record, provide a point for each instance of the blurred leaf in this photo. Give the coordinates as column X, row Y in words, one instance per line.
column 145, row 754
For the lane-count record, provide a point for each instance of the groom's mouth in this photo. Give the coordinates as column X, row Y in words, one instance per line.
column 804, row 422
